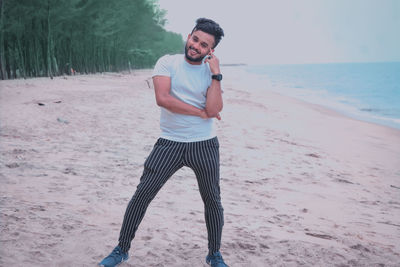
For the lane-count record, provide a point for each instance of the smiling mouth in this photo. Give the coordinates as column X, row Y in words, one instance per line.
column 194, row 50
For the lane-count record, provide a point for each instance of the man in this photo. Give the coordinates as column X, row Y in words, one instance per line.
column 188, row 90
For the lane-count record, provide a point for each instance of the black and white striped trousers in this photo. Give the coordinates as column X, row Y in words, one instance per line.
column 164, row 160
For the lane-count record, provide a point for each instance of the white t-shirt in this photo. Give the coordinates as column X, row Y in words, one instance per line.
column 189, row 83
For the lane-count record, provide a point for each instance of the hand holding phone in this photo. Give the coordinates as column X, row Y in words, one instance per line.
column 213, row 62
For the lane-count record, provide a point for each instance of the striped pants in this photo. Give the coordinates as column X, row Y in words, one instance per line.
column 164, row 160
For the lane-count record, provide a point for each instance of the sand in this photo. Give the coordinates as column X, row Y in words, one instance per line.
column 301, row 185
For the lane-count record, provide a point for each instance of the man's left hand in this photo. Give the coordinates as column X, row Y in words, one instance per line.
column 213, row 62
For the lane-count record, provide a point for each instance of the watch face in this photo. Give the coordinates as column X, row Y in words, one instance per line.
column 217, row 77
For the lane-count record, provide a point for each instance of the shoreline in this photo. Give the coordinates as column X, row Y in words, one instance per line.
column 350, row 106
column 300, row 184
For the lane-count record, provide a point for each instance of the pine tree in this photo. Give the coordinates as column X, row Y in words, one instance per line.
column 54, row 37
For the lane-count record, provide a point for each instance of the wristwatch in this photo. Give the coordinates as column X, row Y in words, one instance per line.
column 217, row 77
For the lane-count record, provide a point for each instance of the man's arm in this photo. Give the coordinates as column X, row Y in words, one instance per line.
column 162, row 87
column 214, row 101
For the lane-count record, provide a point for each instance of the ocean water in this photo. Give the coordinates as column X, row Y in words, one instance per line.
column 365, row 91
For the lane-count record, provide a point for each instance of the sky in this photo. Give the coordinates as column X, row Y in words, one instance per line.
column 295, row 31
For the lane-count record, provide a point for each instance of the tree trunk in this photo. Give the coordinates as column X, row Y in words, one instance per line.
column 21, row 57
column 36, row 55
column 49, row 68
column 53, row 57
column 71, row 65
column 2, row 44
column 7, row 59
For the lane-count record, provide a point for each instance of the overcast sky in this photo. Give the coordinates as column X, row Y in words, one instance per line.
column 295, row 31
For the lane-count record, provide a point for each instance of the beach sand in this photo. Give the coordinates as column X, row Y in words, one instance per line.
column 301, row 185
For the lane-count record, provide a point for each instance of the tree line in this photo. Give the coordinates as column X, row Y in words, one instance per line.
column 56, row 37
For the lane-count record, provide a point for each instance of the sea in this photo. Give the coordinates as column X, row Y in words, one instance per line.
column 364, row 91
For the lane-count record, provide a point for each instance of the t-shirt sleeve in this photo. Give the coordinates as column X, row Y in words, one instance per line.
column 162, row 67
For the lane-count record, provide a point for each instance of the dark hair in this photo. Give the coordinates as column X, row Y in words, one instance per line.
column 211, row 27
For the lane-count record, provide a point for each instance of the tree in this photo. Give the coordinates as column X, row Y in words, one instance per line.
column 2, row 50
column 49, row 38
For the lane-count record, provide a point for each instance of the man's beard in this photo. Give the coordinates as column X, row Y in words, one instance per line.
column 190, row 58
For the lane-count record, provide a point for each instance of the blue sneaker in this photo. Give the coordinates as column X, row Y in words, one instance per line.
column 215, row 260
column 116, row 257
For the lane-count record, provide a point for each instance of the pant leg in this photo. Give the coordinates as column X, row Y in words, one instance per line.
column 164, row 160
column 203, row 158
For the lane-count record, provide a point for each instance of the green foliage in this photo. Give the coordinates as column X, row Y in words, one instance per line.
column 49, row 37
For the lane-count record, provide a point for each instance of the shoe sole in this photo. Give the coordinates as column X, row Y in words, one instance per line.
column 101, row 265
column 209, row 263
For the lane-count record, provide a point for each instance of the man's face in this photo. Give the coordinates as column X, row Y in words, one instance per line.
column 198, row 45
